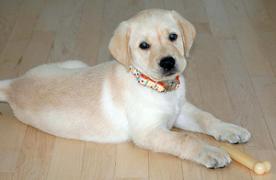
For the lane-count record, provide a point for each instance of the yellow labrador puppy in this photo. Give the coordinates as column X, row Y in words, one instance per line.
column 140, row 98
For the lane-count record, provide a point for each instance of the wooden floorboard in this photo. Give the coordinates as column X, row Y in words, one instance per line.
column 232, row 74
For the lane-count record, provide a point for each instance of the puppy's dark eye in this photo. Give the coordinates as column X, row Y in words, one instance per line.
column 144, row 45
column 172, row 36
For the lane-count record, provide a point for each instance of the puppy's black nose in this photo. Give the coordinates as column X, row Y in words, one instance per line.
column 167, row 63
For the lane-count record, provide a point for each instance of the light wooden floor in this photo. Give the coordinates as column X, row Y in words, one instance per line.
column 232, row 73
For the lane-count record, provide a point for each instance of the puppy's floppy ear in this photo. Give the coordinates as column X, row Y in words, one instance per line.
column 118, row 45
column 188, row 32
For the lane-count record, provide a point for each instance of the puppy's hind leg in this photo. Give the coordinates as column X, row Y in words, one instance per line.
column 72, row 64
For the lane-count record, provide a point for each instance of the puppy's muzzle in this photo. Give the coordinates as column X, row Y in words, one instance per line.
column 168, row 65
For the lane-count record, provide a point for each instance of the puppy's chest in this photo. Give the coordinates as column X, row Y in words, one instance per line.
column 168, row 108
column 155, row 107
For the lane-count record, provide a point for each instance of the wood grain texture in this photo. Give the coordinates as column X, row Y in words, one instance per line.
column 11, row 137
column 163, row 166
column 88, row 37
column 131, row 162
column 8, row 15
column 66, row 30
column 231, row 74
column 98, row 161
column 35, row 155
column 6, row 176
column 66, row 160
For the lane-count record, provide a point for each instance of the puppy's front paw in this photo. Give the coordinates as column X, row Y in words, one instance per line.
column 213, row 157
column 232, row 133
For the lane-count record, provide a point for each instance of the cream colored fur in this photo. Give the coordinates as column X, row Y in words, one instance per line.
column 104, row 103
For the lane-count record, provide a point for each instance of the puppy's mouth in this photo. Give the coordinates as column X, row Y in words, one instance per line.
column 170, row 73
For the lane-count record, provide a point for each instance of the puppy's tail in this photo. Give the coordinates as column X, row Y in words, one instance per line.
column 4, row 86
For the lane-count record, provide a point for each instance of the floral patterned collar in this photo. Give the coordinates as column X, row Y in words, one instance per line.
column 160, row 86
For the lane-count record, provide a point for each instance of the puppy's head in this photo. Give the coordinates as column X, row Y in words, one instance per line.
column 154, row 41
